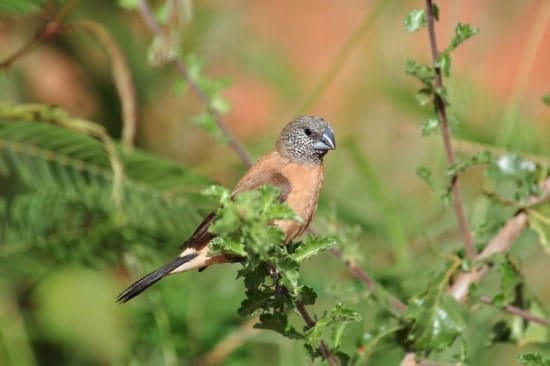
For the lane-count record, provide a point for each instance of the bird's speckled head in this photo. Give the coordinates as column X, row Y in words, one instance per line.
column 306, row 140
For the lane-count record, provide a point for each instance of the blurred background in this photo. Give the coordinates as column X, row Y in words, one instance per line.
column 342, row 60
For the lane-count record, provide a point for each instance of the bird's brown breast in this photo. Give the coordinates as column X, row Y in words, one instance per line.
column 300, row 184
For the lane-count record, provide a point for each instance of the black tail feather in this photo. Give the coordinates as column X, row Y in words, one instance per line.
column 143, row 283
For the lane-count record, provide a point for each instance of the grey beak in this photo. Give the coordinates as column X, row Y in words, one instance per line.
column 327, row 141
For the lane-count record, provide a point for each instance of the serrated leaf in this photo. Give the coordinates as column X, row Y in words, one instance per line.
column 278, row 322
column 415, row 20
column 337, row 316
column 311, row 246
column 462, row 33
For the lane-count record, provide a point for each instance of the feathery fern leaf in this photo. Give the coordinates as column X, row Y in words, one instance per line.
column 66, row 209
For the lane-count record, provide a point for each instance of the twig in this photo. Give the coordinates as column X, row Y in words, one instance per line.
column 152, row 24
column 514, row 310
column 446, row 133
column 396, row 305
column 51, row 28
column 121, row 75
column 500, row 243
column 327, row 354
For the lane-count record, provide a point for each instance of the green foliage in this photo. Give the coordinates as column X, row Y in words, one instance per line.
column 434, row 318
column 533, row 359
column 271, row 271
column 19, row 7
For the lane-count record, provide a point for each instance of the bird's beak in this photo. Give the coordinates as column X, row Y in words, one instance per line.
column 327, row 141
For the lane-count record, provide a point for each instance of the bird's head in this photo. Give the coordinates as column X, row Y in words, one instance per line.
column 306, row 139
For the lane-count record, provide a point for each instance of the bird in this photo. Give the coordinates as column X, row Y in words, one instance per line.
column 294, row 166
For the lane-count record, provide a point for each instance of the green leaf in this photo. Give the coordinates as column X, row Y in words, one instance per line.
column 207, row 121
column 415, row 20
column 481, row 158
column 434, row 318
column 539, row 221
column 311, row 246
column 19, row 7
column 337, row 316
column 429, row 126
column 462, row 33
column 425, row 174
column 510, row 279
column 546, row 99
column 533, row 359
column 424, row 96
column 128, row 4
column 435, row 11
column 278, row 322
column 424, row 73
column 444, row 63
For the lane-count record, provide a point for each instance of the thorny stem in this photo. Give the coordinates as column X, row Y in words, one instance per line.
column 446, row 133
column 147, row 15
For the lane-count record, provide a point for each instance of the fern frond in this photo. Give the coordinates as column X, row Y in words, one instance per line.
column 68, row 178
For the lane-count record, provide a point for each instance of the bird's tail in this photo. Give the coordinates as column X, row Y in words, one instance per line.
column 143, row 283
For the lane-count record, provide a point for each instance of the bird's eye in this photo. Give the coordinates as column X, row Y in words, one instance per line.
column 307, row 131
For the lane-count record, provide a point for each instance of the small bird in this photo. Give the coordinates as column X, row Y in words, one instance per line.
column 295, row 166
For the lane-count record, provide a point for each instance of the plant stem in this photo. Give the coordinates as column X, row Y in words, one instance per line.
column 327, row 354
column 458, row 204
column 514, row 310
column 152, row 24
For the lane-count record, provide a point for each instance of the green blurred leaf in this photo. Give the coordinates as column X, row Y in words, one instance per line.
column 533, row 359
column 434, row 318
column 462, row 33
column 424, row 73
column 525, row 333
column 480, row 158
column 424, row 96
column 546, row 99
column 444, row 63
column 429, row 126
column 19, row 7
column 207, row 121
column 64, row 312
column 128, row 4
column 539, row 221
column 415, row 20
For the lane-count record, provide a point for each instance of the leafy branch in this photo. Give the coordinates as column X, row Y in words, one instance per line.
column 271, row 269
column 431, row 77
column 203, row 90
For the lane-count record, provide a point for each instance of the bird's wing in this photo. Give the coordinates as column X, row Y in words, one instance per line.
column 252, row 180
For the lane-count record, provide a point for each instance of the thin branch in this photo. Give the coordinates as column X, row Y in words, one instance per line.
column 121, row 75
column 500, row 243
column 395, row 304
column 514, row 310
column 327, row 354
column 148, row 17
column 446, row 133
